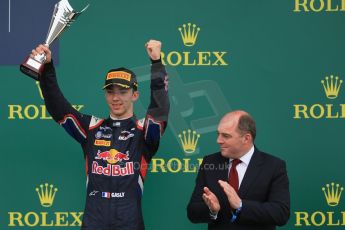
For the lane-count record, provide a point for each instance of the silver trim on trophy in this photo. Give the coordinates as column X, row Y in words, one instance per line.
column 63, row 16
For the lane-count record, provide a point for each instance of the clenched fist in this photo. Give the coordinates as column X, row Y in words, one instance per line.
column 153, row 49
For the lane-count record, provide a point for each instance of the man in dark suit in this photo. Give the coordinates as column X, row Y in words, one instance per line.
column 240, row 187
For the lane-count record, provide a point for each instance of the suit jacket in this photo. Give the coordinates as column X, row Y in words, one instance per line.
column 264, row 192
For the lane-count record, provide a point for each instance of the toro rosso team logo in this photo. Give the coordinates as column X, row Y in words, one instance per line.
column 112, row 169
column 125, row 135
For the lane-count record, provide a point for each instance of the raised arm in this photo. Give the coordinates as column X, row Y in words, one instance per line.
column 157, row 114
column 75, row 123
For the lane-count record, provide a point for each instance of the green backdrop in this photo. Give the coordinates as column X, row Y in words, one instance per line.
column 266, row 57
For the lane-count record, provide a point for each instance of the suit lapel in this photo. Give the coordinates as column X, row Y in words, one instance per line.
column 253, row 170
column 223, row 171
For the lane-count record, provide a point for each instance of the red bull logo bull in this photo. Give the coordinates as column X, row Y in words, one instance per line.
column 112, row 156
column 121, row 156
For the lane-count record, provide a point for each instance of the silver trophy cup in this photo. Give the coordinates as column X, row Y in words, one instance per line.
column 62, row 18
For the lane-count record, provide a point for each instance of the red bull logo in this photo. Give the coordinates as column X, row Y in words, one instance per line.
column 113, row 170
column 112, row 156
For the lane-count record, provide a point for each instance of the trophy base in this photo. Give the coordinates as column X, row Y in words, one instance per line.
column 32, row 68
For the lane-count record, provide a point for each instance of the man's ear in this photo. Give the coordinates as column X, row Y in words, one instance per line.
column 135, row 96
column 247, row 137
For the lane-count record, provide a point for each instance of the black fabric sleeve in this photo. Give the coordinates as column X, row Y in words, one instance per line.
column 75, row 123
column 157, row 114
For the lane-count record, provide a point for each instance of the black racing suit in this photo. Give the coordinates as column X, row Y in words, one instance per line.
column 117, row 152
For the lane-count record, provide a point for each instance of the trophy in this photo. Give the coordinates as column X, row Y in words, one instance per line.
column 62, row 18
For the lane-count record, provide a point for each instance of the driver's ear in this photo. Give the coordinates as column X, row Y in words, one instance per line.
column 135, row 96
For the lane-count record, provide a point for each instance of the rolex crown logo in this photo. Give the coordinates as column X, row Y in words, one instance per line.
column 189, row 34
column 46, row 193
column 332, row 193
column 189, row 141
column 331, row 86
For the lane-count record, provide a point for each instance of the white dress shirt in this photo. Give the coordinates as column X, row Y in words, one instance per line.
column 242, row 167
